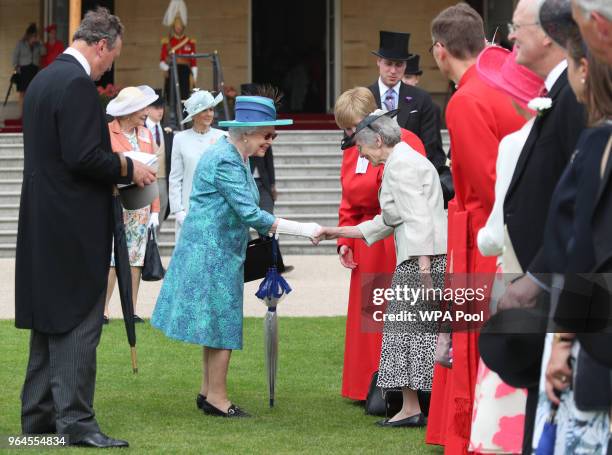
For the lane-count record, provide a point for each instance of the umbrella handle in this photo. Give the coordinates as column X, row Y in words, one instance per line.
column 274, row 251
column 134, row 360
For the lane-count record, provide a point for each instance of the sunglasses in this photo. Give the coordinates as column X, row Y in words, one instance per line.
column 269, row 136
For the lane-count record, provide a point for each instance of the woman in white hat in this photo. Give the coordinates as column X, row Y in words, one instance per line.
column 187, row 148
column 129, row 133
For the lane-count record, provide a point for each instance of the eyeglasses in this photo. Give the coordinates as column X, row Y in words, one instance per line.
column 434, row 45
column 513, row 28
column 269, row 136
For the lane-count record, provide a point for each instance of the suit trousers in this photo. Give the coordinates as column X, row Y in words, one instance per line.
column 58, row 392
column 163, row 201
column 265, row 197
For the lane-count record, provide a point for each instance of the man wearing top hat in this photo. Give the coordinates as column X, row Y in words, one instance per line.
column 417, row 112
column 163, row 137
column 413, row 72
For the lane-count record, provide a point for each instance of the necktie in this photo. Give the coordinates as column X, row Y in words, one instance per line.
column 390, row 99
column 157, row 138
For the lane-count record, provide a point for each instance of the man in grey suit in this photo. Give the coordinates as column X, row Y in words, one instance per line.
column 65, row 233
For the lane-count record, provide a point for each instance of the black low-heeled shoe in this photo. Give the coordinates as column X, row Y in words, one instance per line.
column 233, row 411
column 415, row 421
column 200, row 400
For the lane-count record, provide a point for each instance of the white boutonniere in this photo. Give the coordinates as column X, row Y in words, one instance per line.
column 540, row 105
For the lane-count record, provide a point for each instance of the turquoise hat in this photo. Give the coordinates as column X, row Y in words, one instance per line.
column 254, row 111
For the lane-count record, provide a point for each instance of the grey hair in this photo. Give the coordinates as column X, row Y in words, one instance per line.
column 97, row 25
column 385, row 127
column 603, row 7
column 236, row 132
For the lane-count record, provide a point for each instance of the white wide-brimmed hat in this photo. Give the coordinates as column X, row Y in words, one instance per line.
column 199, row 101
column 130, row 100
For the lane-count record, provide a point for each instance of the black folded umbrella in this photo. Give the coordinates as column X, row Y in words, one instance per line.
column 124, row 275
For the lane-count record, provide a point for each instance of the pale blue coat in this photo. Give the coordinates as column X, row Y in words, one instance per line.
column 201, row 298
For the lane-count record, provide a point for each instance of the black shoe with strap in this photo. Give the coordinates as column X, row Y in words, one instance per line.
column 233, row 411
column 417, row 420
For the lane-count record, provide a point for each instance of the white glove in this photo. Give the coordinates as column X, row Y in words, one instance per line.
column 180, row 217
column 163, row 66
column 194, row 71
column 294, row 228
column 154, row 220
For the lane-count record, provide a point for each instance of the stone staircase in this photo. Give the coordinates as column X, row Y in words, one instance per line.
column 307, row 167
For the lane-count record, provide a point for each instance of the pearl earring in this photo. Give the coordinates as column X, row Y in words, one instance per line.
column 582, row 80
column 245, row 141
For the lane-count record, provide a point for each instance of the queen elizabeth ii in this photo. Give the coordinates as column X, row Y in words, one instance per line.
column 201, row 299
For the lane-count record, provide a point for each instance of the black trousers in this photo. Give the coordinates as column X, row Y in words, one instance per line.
column 58, row 392
column 265, row 197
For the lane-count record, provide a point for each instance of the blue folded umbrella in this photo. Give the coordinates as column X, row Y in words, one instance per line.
column 273, row 286
column 546, row 444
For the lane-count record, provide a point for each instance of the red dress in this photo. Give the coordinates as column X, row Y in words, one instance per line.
column 478, row 117
column 360, row 203
column 53, row 50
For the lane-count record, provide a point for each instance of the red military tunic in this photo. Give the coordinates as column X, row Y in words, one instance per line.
column 183, row 45
column 360, row 203
column 53, row 50
column 478, row 117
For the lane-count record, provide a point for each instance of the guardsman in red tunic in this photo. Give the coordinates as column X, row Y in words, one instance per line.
column 477, row 117
column 53, row 46
column 180, row 44
column 360, row 185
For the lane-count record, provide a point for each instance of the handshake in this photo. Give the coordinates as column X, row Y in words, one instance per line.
column 313, row 231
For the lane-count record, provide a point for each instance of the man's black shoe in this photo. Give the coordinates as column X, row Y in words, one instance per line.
column 97, row 440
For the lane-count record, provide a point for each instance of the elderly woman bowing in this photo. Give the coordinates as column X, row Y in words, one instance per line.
column 413, row 210
column 201, row 299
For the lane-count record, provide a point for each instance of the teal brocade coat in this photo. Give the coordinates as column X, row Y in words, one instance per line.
column 201, row 298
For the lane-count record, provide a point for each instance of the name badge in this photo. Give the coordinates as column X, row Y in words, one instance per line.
column 362, row 165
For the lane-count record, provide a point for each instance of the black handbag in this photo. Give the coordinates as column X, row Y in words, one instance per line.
column 259, row 259
column 153, row 270
column 389, row 403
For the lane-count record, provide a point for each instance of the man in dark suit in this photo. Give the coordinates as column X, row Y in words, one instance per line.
column 65, row 232
column 262, row 168
column 545, row 155
column 163, row 137
column 417, row 111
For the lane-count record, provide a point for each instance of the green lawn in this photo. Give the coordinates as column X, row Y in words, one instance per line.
column 155, row 409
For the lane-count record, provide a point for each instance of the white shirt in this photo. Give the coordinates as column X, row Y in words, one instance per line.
column 491, row 236
column 382, row 88
column 151, row 126
column 80, row 58
column 556, row 72
column 187, row 149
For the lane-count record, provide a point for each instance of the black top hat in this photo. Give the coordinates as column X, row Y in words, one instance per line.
column 412, row 66
column 159, row 102
column 511, row 343
column 556, row 20
column 393, row 46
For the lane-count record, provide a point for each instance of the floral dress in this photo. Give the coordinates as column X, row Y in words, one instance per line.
column 135, row 222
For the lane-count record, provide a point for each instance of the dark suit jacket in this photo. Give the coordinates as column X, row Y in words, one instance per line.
column 168, row 140
column 265, row 166
column 419, row 114
column 545, row 155
column 65, row 231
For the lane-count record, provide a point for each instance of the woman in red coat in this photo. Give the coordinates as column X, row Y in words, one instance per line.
column 360, row 184
column 477, row 117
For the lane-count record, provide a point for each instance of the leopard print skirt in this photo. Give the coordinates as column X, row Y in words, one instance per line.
column 408, row 347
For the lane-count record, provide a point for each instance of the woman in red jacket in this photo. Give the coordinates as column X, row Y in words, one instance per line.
column 360, row 184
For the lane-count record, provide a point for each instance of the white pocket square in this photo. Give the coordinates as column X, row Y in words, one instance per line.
column 412, row 112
